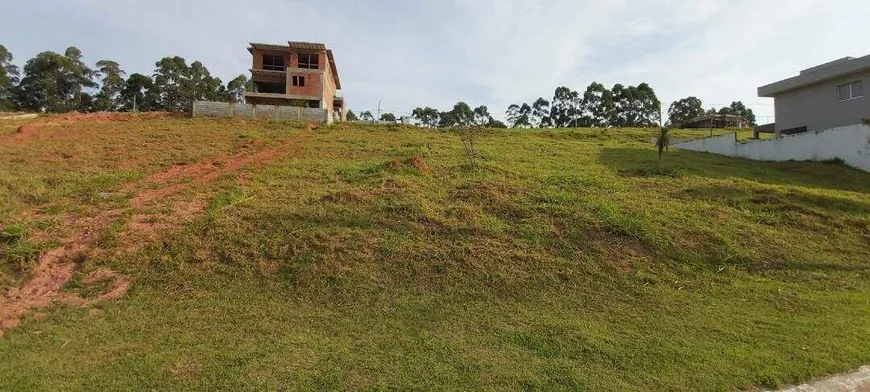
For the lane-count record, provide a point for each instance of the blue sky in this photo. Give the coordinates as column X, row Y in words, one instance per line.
column 435, row 53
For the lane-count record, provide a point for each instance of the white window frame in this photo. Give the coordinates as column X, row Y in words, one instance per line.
column 850, row 86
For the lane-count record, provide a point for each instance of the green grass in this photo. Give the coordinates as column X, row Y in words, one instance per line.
column 568, row 260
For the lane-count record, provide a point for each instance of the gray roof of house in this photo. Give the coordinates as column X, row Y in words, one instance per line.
column 818, row 74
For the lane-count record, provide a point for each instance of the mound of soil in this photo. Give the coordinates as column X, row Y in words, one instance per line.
column 26, row 129
column 418, row 163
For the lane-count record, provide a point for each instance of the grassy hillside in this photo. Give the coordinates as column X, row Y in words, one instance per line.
column 267, row 255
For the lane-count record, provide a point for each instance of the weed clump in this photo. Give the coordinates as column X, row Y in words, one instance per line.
column 415, row 162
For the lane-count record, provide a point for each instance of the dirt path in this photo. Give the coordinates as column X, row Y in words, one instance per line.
column 57, row 266
column 857, row 381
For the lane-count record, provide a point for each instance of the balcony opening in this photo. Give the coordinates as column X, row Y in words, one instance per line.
column 305, row 103
column 270, row 87
column 273, row 63
column 309, row 61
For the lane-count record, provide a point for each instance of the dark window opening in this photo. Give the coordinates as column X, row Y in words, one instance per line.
column 309, row 61
column 793, row 131
column 270, row 88
column 273, row 63
column 314, row 104
column 299, row 81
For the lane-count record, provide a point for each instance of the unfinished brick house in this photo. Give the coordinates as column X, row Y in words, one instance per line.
column 297, row 74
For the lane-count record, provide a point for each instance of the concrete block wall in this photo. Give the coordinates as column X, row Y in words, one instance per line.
column 850, row 143
column 224, row 109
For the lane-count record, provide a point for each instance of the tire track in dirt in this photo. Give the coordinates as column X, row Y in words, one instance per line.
column 57, row 266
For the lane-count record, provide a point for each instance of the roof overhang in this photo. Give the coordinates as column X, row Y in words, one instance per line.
column 815, row 75
column 273, row 48
column 312, row 46
column 334, row 69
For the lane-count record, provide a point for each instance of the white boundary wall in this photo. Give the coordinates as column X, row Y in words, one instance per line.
column 225, row 109
column 850, row 143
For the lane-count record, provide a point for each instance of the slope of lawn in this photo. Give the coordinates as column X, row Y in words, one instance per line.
column 381, row 258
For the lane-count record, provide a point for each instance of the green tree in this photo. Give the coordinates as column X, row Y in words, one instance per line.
column 138, row 94
column 351, row 116
column 493, row 123
column 684, row 110
column 54, row 82
column 597, row 108
column 112, row 84
column 236, row 89
column 86, row 103
column 635, row 106
column 366, row 116
column 78, row 77
column 8, row 80
column 170, row 79
column 201, row 86
column 739, row 109
column 427, row 116
column 390, row 117
column 481, row 116
column 565, row 110
column 540, row 113
column 663, row 140
column 461, row 115
column 519, row 116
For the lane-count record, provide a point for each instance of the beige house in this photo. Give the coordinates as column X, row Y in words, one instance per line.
column 822, row 97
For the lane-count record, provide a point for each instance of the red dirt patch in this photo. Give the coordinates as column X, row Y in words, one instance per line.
column 418, row 163
column 27, row 131
column 54, row 269
column 74, row 117
column 57, row 266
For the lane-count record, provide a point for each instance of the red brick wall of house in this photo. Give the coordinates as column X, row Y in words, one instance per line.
column 291, row 59
column 313, row 80
column 258, row 57
column 312, row 84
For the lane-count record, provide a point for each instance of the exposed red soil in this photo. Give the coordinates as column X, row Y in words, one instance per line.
column 74, row 117
column 418, row 163
column 57, row 266
column 27, row 131
column 54, row 269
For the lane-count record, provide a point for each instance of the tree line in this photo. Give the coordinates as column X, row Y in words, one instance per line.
column 462, row 115
column 689, row 108
column 54, row 82
column 620, row 106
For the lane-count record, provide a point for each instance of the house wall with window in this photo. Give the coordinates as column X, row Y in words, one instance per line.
column 829, row 104
column 300, row 73
column 304, row 83
column 304, row 69
column 259, row 55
